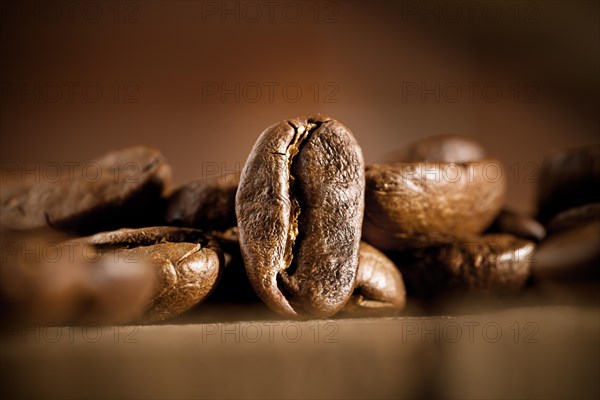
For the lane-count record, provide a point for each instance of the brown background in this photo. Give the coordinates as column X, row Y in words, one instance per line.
column 161, row 54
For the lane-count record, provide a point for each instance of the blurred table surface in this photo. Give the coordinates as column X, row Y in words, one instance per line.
column 519, row 352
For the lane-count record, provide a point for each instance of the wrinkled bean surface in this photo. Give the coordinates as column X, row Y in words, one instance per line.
column 299, row 209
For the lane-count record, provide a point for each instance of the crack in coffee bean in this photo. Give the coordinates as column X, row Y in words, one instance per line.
column 301, row 135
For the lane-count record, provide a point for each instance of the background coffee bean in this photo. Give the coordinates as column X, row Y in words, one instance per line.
column 489, row 264
column 568, row 202
column 379, row 283
column 413, row 204
column 572, row 249
column 517, row 224
column 45, row 280
column 574, row 217
column 568, row 178
column 431, row 221
column 204, row 204
column 441, row 148
column 123, row 188
column 299, row 209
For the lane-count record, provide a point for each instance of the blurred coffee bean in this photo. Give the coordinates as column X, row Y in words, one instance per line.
column 517, row 224
column 187, row 263
column 412, row 204
column 204, row 204
column 568, row 178
column 574, row 217
column 45, row 280
column 379, row 284
column 490, row 264
column 571, row 251
column 123, row 188
column 441, row 148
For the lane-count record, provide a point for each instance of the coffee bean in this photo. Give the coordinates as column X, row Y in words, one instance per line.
column 442, row 148
column 205, row 204
column 519, row 225
column 188, row 264
column 412, row 204
column 379, row 284
column 574, row 217
column 119, row 189
column 568, row 178
column 486, row 264
column 572, row 254
column 299, row 209
column 65, row 282
column 572, row 249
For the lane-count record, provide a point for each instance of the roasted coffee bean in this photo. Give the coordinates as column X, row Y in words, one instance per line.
column 64, row 282
column 299, row 208
column 572, row 254
column 487, row 264
column 519, row 225
column 379, row 283
column 120, row 189
column 188, row 264
column 572, row 249
column 568, row 178
column 442, row 148
column 204, row 204
column 574, row 218
column 412, row 204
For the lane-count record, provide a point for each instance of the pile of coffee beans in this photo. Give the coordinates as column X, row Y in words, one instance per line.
column 308, row 229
